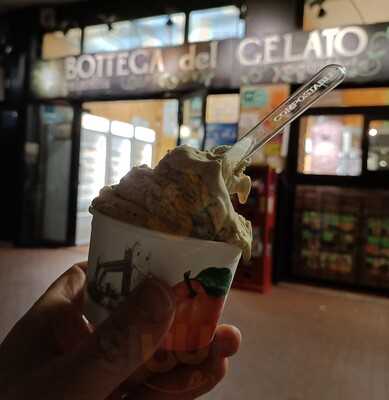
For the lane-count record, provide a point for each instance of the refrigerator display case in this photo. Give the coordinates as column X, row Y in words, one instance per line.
column 327, row 226
column 375, row 243
column 108, row 150
column 335, row 193
column 342, row 235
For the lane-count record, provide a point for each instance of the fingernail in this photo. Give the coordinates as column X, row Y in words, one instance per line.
column 154, row 300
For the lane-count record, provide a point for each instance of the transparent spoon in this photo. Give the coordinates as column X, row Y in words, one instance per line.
column 323, row 82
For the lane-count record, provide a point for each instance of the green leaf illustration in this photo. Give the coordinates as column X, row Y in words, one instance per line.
column 215, row 281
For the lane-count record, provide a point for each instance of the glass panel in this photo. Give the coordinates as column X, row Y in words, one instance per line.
column 330, row 145
column 155, row 120
column 378, row 155
column 92, row 167
column 167, row 136
column 91, row 178
column 327, row 232
column 215, row 24
column 122, row 129
column 162, row 30
column 192, row 129
column 120, row 158
column 94, row 123
column 364, row 97
column 143, row 153
column 56, row 159
column 144, row 134
column 58, row 44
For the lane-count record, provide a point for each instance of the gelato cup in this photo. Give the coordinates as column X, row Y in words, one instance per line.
column 200, row 272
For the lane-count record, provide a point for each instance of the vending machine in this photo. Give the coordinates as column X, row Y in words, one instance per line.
column 335, row 193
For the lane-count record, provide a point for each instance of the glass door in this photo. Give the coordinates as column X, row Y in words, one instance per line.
column 56, row 123
column 92, row 172
column 108, row 150
column 378, row 144
column 192, row 130
column 47, row 175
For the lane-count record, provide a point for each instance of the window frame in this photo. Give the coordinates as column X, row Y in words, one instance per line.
column 214, row 39
column 133, row 21
column 366, row 178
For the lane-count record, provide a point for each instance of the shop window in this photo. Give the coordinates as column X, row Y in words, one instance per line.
column 330, row 145
column 215, row 24
column 59, row 44
column 158, row 31
column 192, row 128
column 328, row 14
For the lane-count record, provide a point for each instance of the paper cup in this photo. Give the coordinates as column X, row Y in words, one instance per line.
column 199, row 271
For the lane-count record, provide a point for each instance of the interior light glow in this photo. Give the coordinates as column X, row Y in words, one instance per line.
column 373, row 132
column 95, row 123
column 123, row 129
column 145, row 134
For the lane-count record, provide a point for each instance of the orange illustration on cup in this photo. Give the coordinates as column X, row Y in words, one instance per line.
column 199, row 303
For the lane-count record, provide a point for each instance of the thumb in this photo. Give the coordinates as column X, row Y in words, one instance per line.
column 120, row 345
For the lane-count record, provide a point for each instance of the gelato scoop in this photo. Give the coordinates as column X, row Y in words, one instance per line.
column 187, row 194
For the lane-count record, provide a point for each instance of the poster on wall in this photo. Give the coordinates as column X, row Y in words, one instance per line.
column 256, row 101
column 222, row 108
column 220, row 134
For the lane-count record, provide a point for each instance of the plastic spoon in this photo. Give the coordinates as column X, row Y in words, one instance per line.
column 323, row 82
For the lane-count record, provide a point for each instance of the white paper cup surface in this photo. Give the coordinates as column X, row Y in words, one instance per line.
column 200, row 271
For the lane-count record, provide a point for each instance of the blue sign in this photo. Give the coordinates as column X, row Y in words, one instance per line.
column 220, row 134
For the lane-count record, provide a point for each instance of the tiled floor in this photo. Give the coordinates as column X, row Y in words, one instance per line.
column 299, row 343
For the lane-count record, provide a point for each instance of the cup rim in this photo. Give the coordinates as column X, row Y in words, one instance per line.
column 161, row 235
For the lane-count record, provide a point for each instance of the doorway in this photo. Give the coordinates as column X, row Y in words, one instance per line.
column 116, row 136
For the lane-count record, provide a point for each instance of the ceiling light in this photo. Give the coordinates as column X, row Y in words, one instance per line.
column 185, row 132
column 169, row 22
column 322, row 13
column 373, row 132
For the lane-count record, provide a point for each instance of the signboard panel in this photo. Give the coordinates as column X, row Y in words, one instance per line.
column 288, row 58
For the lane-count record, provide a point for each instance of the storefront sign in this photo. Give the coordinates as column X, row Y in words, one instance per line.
column 288, row 58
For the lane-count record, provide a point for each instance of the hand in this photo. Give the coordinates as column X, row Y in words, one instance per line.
column 34, row 365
